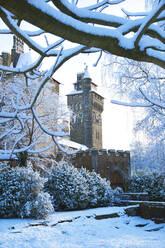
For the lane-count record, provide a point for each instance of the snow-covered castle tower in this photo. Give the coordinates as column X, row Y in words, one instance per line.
column 87, row 106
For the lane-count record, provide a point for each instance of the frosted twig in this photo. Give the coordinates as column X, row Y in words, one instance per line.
column 97, row 61
column 148, row 21
column 16, row 142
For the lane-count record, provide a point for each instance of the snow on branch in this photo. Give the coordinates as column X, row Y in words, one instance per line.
column 7, row 18
column 84, row 15
column 61, row 148
column 80, row 17
column 140, row 38
column 152, row 101
column 109, row 35
column 142, row 105
column 41, row 150
column 102, row 3
column 29, row 33
column 150, row 19
column 51, row 133
column 130, row 14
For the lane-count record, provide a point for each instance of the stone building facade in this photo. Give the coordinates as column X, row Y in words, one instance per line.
column 87, row 106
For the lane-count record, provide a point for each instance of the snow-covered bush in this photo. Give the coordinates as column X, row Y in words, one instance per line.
column 99, row 190
column 117, row 195
column 67, row 187
column 72, row 188
column 153, row 184
column 21, row 194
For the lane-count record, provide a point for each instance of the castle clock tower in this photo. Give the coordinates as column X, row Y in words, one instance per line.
column 87, row 106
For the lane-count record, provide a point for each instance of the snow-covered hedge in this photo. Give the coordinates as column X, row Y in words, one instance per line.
column 99, row 190
column 153, row 184
column 72, row 188
column 21, row 194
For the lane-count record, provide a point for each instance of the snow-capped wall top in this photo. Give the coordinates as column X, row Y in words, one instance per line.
column 74, row 92
column 72, row 144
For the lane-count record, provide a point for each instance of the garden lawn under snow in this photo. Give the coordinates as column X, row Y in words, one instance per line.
column 80, row 229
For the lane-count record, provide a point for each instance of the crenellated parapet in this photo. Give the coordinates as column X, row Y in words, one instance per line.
column 105, row 152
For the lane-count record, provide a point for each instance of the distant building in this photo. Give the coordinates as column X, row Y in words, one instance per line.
column 17, row 50
column 5, row 59
column 87, row 106
column 18, row 57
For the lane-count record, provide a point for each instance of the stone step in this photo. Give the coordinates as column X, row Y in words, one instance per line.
column 147, row 210
column 135, row 196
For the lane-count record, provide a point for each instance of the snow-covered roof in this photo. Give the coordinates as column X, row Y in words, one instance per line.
column 96, row 92
column 74, row 92
column 24, row 60
column 72, row 144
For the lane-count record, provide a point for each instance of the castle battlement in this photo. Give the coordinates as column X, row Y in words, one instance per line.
column 100, row 152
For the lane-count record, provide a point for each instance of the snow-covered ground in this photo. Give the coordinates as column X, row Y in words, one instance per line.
column 80, row 229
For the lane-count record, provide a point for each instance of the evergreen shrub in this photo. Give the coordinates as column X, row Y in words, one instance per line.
column 73, row 188
column 21, row 194
column 153, row 184
column 99, row 190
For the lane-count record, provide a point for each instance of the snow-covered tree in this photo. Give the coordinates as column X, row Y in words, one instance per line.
column 142, row 85
column 151, row 3
column 88, row 28
column 50, row 107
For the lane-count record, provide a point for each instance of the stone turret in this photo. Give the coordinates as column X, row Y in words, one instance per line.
column 87, row 106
